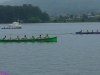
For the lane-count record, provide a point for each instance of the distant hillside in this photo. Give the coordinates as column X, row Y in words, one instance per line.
column 57, row 7
column 25, row 13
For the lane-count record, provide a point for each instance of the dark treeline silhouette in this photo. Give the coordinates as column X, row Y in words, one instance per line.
column 25, row 13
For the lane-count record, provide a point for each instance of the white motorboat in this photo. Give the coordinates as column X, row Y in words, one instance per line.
column 14, row 24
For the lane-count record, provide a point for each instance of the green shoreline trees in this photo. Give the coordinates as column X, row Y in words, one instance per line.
column 25, row 13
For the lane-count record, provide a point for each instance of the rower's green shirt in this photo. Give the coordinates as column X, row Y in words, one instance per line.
column 33, row 37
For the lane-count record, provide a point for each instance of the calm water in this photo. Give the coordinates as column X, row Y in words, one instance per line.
column 71, row 55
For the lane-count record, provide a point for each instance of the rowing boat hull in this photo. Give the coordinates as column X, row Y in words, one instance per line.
column 12, row 28
column 87, row 32
column 53, row 39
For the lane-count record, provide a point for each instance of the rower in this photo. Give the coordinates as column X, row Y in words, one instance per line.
column 4, row 38
column 46, row 36
column 97, row 30
column 24, row 37
column 9, row 38
column 92, row 30
column 40, row 37
column 87, row 31
column 17, row 38
column 81, row 31
column 32, row 37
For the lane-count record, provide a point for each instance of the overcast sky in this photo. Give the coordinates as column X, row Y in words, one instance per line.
column 3, row 1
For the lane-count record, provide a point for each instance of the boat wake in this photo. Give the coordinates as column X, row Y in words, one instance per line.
column 57, row 34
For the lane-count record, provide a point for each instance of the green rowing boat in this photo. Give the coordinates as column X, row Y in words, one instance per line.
column 52, row 39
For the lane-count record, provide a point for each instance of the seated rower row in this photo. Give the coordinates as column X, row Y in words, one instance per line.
column 88, row 31
column 40, row 37
column 17, row 38
column 24, row 38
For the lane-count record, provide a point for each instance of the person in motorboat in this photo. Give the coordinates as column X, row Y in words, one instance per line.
column 17, row 38
column 46, row 36
column 40, row 37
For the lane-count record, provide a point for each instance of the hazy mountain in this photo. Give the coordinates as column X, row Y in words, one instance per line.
column 56, row 7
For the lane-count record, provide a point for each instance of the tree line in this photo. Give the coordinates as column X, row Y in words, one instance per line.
column 77, row 18
column 25, row 13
